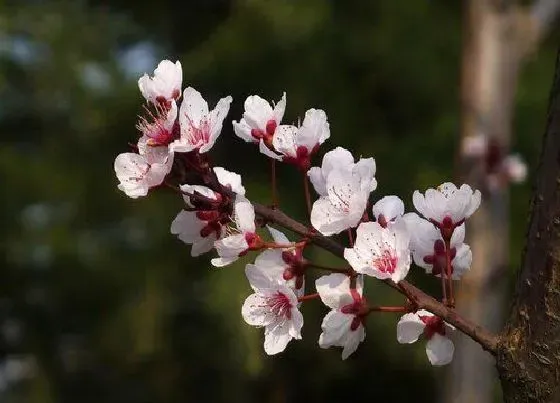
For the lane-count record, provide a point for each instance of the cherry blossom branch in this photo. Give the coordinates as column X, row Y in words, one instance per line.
column 421, row 300
column 401, row 309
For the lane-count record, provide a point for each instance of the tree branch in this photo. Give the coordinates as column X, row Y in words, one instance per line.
column 487, row 340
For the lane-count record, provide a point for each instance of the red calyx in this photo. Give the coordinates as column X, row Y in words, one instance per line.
column 382, row 220
column 438, row 259
column 434, row 324
column 302, row 159
column 358, row 308
column 254, row 241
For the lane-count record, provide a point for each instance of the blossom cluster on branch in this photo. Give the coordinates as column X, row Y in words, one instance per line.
column 176, row 133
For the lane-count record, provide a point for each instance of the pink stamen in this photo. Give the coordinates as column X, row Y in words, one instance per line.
column 386, row 263
column 280, row 305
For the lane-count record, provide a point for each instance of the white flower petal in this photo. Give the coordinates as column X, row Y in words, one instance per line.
column 194, row 108
column 314, row 129
column 279, row 109
column 216, row 119
column 243, row 131
column 275, row 341
column 258, row 277
column 440, row 350
column 268, row 152
column 284, row 140
column 390, row 207
column 334, row 290
column 244, row 214
column 335, row 326
column 231, row 179
column 229, row 249
column 353, row 339
column 256, row 312
column 257, row 112
column 462, row 261
column 166, row 82
column 409, row 328
column 203, row 245
column 278, row 236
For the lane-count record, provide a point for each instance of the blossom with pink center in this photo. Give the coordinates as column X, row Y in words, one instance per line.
column 297, row 144
column 447, row 206
column 439, row 347
column 199, row 127
column 165, row 86
column 161, row 129
column 387, row 210
column 137, row 173
column 259, row 123
column 243, row 236
column 284, row 264
column 204, row 225
column 273, row 306
column 381, row 252
column 344, row 187
column 428, row 247
column 343, row 326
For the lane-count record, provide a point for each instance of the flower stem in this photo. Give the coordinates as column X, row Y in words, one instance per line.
column 308, row 297
column 443, row 288
column 274, row 245
column 307, row 195
column 350, row 237
column 388, row 309
column 344, row 270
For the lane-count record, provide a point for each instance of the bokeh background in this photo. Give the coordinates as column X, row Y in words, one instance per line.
column 98, row 301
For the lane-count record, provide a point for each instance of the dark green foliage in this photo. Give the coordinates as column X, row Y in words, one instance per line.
column 111, row 304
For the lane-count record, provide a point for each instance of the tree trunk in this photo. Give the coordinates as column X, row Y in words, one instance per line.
column 528, row 360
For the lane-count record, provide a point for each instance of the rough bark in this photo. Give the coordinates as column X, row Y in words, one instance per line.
column 528, row 360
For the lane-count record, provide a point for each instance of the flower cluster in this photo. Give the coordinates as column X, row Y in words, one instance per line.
column 179, row 129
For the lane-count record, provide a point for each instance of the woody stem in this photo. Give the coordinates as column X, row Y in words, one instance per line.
column 388, row 309
column 344, row 270
column 420, row 299
column 308, row 297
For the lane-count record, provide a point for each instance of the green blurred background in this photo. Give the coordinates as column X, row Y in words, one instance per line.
column 98, row 301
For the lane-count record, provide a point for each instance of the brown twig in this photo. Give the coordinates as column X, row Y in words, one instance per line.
column 487, row 340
